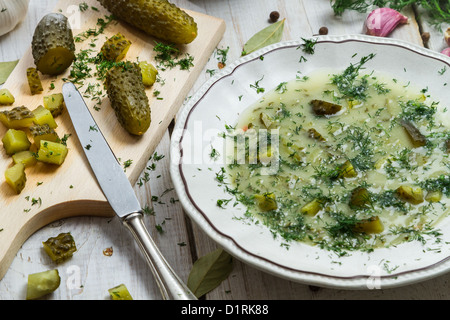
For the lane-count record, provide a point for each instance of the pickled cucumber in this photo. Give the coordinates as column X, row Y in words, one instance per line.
column 61, row 247
column 16, row 118
column 42, row 283
column 6, row 98
column 15, row 141
column 120, row 292
column 126, row 93
column 149, row 73
column 54, row 103
column 157, row 18
column 43, row 132
column 324, row 108
column 52, row 152
column 115, row 48
column 312, row 207
column 266, row 201
column 16, row 178
column 416, row 137
column 26, row 157
column 44, row 116
column 52, row 46
column 410, row 194
column 34, row 81
column 370, row 225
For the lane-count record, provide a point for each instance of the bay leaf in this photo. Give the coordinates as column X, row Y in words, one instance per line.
column 209, row 271
column 5, row 70
column 267, row 36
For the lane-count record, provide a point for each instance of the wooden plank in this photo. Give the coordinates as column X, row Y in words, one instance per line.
column 71, row 190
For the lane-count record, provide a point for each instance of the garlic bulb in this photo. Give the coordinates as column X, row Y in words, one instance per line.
column 11, row 13
column 446, row 51
column 382, row 21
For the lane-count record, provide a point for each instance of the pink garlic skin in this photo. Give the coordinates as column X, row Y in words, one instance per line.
column 446, row 51
column 382, row 21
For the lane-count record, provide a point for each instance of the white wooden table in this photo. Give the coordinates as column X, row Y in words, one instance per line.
column 91, row 272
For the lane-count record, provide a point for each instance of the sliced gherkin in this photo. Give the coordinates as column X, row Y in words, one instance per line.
column 15, row 141
column 149, row 73
column 158, row 18
column 16, row 178
column 52, row 46
column 42, row 283
column 54, row 103
column 61, row 247
column 34, row 82
column 17, row 117
column 126, row 92
column 120, row 292
column 115, row 48
column 51, row 152
column 43, row 132
column 6, row 98
column 26, row 157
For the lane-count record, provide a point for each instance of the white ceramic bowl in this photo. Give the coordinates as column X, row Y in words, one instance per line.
column 220, row 101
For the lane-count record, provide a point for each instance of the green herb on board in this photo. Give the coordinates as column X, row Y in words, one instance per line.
column 267, row 36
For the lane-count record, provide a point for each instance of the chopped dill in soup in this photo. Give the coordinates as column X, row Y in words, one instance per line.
column 345, row 160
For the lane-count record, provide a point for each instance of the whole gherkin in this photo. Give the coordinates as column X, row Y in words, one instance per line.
column 157, row 18
column 126, row 93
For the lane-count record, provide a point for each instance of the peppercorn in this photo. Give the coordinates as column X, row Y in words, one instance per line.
column 323, row 31
column 274, row 16
column 425, row 37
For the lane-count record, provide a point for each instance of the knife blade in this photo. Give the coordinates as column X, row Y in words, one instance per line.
column 119, row 193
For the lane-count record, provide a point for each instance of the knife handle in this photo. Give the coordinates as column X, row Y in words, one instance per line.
column 169, row 283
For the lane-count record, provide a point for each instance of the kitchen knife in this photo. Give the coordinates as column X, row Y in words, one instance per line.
column 120, row 194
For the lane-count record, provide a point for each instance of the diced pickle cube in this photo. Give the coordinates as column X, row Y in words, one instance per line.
column 149, row 73
column 416, row 137
column 15, row 141
column 360, row 198
column 324, row 108
column 314, row 134
column 16, row 118
column 26, row 157
column 120, row 292
column 266, row 201
column 15, row 176
column 370, row 225
column 34, row 81
column 43, row 115
column 52, row 152
column 433, row 196
column 43, row 132
column 6, row 98
column 115, row 48
column 54, row 103
column 312, row 207
column 346, row 170
column 266, row 120
column 60, row 248
column 410, row 194
column 42, row 283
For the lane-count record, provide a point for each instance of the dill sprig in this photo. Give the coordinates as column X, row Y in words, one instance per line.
column 348, row 83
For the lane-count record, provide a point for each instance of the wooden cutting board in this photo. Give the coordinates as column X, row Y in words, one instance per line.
column 56, row 192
